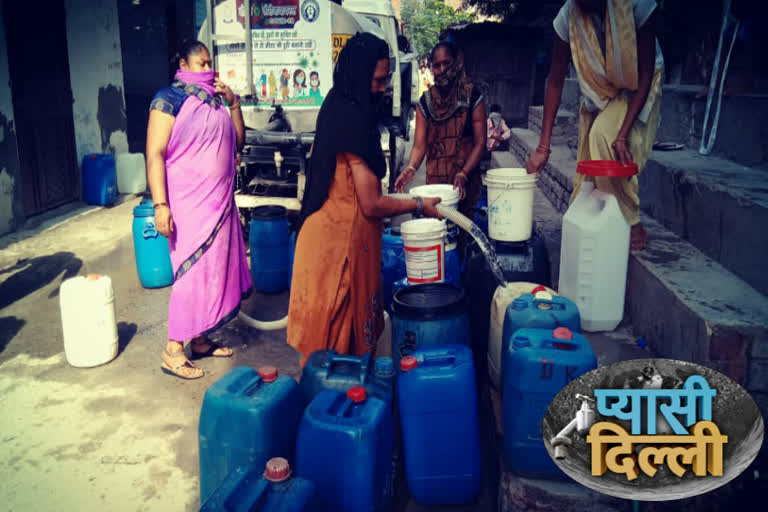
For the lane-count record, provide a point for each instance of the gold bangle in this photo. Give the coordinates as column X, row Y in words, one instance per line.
column 410, row 168
column 235, row 106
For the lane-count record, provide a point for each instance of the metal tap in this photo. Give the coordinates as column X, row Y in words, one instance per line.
column 279, row 164
column 585, row 418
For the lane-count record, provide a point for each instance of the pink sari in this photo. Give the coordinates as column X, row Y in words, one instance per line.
column 207, row 248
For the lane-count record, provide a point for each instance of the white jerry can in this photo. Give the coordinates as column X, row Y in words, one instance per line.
column 88, row 320
column 131, row 173
column 594, row 257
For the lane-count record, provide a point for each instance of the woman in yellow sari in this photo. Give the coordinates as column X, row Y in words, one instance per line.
column 613, row 46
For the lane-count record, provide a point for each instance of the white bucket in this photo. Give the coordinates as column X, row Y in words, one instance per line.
column 424, row 245
column 131, row 173
column 510, row 204
column 88, row 320
column 449, row 197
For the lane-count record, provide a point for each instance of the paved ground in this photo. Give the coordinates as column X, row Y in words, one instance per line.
column 123, row 436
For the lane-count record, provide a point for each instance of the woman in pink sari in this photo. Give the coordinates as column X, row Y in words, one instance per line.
column 191, row 145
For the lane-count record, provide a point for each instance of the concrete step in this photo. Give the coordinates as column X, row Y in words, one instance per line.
column 721, row 207
column 742, row 130
column 685, row 304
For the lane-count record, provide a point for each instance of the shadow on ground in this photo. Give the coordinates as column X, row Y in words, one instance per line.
column 125, row 333
column 35, row 273
column 9, row 328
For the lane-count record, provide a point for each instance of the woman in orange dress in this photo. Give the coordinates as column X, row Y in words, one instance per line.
column 336, row 300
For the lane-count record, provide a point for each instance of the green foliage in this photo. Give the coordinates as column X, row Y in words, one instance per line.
column 424, row 20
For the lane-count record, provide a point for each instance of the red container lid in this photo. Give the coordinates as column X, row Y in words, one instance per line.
column 356, row 394
column 538, row 289
column 278, row 470
column 268, row 373
column 562, row 333
column 408, row 363
column 608, row 168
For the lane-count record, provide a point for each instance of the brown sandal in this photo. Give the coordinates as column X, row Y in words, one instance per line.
column 185, row 370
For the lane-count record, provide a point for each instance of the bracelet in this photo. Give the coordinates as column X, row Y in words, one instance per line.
column 410, row 168
column 463, row 175
column 158, row 205
column 419, row 206
column 543, row 149
column 235, row 106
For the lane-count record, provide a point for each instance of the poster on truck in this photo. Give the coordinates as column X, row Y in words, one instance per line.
column 291, row 50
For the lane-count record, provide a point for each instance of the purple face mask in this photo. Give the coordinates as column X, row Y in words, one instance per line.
column 203, row 79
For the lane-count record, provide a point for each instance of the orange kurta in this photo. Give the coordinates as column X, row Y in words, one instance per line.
column 336, row 300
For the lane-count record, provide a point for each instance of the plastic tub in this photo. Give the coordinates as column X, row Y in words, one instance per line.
column 424, row 246
column 510, row 204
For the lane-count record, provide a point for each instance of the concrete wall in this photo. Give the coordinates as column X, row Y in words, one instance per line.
column 500, row 61
column 10, row 202
column 96, row 71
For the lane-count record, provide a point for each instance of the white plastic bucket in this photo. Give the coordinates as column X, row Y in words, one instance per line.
column 131, row 173
column 424, row 245
column 510, row 204
column 450, row 198
column 88, row 320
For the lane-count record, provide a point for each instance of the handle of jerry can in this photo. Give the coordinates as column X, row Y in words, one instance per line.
column 441, row 358
column 560, row 345
column 364, row 362
column 150, row 231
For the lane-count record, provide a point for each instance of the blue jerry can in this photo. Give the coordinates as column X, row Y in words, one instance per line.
column 99, row 179
column 536, row 366
column 153, row 256
column 344, row 446
column 438, row 414
column 267, row 490
column 246, row 419
column 327, row 369
column 539, row 311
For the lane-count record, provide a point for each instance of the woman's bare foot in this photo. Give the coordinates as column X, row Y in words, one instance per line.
column 638, row 237
column 175, row 362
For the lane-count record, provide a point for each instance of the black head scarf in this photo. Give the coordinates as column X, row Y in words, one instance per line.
column 346, row 122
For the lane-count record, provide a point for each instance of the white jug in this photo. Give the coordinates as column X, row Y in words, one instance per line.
column 593, row 258
column 88, row 320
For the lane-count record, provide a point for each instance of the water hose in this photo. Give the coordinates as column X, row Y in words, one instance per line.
column 447, row 212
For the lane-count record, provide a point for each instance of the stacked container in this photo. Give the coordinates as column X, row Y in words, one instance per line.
column 428, row 314
column 541, row 310
column 438, row 415
column 344, row 446
column 536, row 366
column 326, row 369
column 246, row 419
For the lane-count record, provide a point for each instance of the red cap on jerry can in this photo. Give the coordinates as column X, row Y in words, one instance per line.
column 278, row 470
column 538, row 289
column 268, row 373
column 408, row 363
column 357, row 394
column 562, row 333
